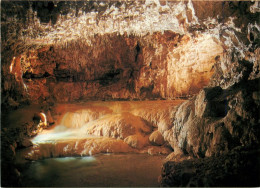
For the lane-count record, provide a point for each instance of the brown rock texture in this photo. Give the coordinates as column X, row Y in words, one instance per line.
column 64, row 52
column 158, row 150
column 237, row 168
column 111, row 123
column 60, row 64
column 156, row 138
column 117, row 67
column 137, row 141
column 216, row 121
column 118, row 126
column 111, row 57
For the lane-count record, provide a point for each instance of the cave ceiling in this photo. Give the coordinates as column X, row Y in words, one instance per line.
column 123, row 49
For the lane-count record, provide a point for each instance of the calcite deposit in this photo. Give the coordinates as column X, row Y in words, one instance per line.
column 156, row 138
column 120, row 62
column 142, row 67
column 58, row 56
column 102, row 127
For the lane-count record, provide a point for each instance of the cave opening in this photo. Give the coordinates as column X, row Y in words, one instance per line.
column 106, row 93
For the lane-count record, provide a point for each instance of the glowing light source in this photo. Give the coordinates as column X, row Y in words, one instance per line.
column 43, row 119
column 12, row 64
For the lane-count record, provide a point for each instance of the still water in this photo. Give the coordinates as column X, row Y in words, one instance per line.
column 103, row 170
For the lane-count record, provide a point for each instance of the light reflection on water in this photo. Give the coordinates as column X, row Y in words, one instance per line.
column 100, row 170
column 87, row 159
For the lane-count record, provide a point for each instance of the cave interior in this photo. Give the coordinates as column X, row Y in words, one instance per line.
column 176, row 80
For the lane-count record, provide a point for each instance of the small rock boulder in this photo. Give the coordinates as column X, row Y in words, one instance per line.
column 177, row 157
column 25, row 143
column 136, row 141
column 157, row 150
column 40, row 119
column 156, row 138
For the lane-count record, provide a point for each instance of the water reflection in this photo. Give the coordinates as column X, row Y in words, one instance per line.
column 101, row 170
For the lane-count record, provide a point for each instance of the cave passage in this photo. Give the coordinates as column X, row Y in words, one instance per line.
column 90, row 93
column 98, row 143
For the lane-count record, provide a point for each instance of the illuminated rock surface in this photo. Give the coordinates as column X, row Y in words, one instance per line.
column 72, row 52
column 101, row 127
column 156, row 138
column 111, row 59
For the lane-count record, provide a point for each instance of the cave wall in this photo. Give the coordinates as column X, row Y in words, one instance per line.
column 67, row 51
column 156, row 66
column 218, row 49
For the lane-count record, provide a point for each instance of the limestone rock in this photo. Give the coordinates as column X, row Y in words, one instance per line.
column 83, row 147
column 118, row 126
column 157, row 113
column 237, row 168
column 49, row 118
column 137, row 141
column 61, row 78
column 40, row 117
column 177, row 157
column 156, row 138
column 180, row 48
column 79, row 118
column 177, row 54
column 214, row 122
column 156, row 150
column 205, row 104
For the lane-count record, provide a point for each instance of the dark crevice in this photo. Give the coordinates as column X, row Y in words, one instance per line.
column 138, row 49
column 110, row 77
column 147, row 91
column 29, row 75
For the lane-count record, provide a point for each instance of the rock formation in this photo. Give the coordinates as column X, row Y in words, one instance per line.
column 103, row 127
column 230, row 169
column 66, row 52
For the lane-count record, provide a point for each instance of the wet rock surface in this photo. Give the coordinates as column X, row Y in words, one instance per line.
column 92, row 128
